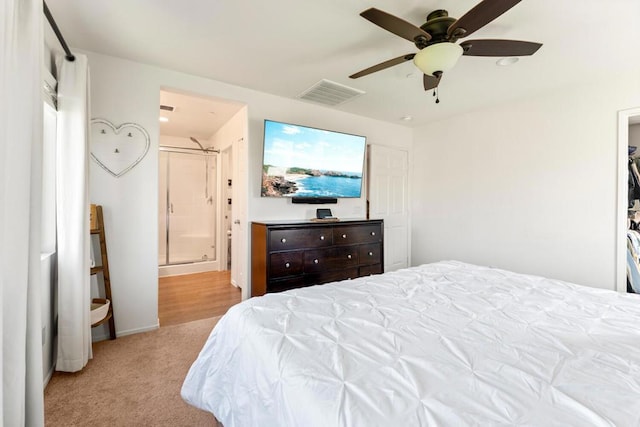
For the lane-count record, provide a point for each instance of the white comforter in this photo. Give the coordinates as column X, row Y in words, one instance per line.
column 441, row 344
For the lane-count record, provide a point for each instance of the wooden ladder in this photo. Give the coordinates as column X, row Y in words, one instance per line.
column 104, row 269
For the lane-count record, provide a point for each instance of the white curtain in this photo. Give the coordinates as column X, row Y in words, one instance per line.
column 72, row 209
column 21, row 61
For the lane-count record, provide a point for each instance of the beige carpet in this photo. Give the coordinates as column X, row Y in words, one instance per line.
column 132, row 381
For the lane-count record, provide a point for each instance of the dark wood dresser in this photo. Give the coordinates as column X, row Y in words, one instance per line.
column 287, row 255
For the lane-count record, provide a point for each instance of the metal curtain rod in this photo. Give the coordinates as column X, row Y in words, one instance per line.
column 54, row 27
column 174, row 148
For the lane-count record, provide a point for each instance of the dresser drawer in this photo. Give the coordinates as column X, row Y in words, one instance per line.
column 368, row 270
column 369, row 254
column 349, row 235
column 299, row 238
column 332, row 276
column 317, row 260
column 345, row 257
column 330, row 259
column 286, row 284
column 285, row 263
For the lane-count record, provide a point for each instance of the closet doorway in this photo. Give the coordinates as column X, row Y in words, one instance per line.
column 197, row 136
column 628, row 210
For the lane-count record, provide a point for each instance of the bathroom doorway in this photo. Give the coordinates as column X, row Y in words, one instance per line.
column 195, row 204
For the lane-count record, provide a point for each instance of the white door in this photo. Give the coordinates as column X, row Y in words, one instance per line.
column 239, row 236
column 388, row 196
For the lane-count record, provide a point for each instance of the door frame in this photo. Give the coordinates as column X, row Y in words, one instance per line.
column 624, row 120
column 225, row 213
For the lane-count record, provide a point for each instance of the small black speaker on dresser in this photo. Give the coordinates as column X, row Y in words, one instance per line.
column 322, row 213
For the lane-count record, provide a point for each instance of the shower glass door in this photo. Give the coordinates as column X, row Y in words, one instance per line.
column 188, row 230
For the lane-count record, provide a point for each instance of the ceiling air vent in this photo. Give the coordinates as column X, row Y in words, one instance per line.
column 167, row 107
column 330, row 93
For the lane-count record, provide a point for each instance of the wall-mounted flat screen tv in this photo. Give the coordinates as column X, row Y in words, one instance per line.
column 306, row 162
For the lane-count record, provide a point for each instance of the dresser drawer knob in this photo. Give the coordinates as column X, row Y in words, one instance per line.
column 315, row 261
column 287, row 265
column 370, row 253
column 349, row 256
column 283, row 240
column 373, row 233
column 321, row 237
column 344, row 236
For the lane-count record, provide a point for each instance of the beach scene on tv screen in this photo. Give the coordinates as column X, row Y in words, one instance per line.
column 305, row 162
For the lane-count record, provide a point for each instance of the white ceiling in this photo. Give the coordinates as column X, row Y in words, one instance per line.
column 283, row 47
column 197, row 117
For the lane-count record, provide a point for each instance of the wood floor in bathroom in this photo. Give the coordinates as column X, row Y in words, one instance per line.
column 195, row 296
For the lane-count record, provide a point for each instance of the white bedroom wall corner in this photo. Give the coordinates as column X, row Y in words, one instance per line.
column 514, row 199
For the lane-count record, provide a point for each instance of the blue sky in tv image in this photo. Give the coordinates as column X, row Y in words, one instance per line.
column 301, row 161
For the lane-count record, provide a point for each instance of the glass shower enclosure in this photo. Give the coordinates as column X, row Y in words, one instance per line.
column 187, row 207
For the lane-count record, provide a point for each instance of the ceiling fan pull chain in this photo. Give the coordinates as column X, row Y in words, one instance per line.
column 435, row 93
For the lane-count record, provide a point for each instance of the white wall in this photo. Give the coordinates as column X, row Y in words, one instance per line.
column 529, row 186
column 229, row 132
column 125, row 91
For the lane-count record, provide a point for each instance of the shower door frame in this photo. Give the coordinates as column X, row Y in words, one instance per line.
column 216, row 238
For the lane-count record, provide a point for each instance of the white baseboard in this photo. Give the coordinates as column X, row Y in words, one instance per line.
column 128, row 332
column 48, row 377
column 182, row 269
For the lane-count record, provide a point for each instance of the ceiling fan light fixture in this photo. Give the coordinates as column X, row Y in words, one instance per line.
column 438, row 57
column 509, row 60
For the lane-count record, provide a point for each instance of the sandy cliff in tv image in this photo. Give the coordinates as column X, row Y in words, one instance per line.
column 277, row 186
column 277, row 181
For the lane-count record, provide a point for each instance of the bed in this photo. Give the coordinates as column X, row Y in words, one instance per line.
column 447, row 343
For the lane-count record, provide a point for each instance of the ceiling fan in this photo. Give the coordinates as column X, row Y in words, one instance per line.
column 436, row 39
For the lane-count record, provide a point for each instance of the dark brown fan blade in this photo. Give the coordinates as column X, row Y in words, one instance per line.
column 431, row 82
column 499, row 48
column 483, row 13
column 397, row 26
column 383, row 65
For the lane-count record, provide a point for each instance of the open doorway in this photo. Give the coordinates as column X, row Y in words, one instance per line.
column 197, row 136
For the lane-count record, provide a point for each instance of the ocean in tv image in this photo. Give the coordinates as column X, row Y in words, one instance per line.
column 329, row 186
column 306, row 162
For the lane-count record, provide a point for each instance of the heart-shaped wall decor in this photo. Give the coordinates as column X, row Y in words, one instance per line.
column 118, row 149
